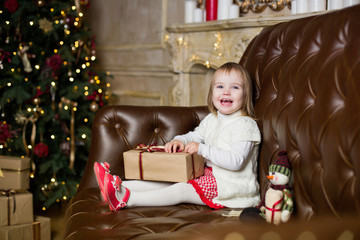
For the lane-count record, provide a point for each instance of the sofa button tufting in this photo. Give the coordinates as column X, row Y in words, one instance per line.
column 156, row 130
column 117, row 125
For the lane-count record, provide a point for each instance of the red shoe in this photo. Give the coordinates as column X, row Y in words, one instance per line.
column 100, row 170
column 113, row 184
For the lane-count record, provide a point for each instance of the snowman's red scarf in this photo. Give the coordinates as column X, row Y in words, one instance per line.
column 279, row 187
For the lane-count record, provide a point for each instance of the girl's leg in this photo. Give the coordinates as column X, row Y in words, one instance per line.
column 172, row 195
column 142, row 186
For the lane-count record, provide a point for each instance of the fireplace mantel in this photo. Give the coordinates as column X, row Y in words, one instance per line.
column 211, row 44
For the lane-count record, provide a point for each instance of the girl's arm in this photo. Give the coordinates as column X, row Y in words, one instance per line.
column 231, row 160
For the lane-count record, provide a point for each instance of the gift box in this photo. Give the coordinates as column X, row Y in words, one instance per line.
column 14, row 172
column 40, row 229
column 16, row 207
column 162, row 166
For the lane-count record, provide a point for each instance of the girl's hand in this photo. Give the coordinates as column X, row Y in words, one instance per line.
column 174, row 146
column 192, row 147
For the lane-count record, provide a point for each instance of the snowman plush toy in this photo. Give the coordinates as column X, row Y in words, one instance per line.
column 278, row 204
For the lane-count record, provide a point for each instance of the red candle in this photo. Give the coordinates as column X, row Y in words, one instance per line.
column 211, row 10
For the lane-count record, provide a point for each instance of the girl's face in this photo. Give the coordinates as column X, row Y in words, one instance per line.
column 228, row 92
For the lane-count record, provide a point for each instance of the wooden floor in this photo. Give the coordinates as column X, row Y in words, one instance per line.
column 56, row 213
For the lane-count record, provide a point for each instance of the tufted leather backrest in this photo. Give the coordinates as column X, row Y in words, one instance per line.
column 120, row 128
column 307, row 77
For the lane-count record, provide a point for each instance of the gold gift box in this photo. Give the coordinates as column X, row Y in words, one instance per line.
column 40, row 229
column 162, row 166
column 16, row 207
column 14, row 172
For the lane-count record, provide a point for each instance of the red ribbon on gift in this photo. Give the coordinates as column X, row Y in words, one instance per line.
column 153, row 148
column 146, row 148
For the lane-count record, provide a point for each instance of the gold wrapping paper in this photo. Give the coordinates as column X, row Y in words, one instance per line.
column 16, row 208
column 40, row 229
column 16, row 172
column 162, row 166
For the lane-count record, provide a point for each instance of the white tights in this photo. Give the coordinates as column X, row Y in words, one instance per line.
column 148, row 193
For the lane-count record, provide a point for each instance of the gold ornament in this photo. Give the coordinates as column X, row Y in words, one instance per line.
column 94, row 106
column 40, row 3
column 45, row 25
column 37, row 101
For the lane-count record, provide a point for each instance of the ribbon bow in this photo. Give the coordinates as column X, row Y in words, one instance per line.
column 22, row 119
column 3, row 55
column 150, row 148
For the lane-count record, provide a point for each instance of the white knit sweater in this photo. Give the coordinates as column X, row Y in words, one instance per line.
column 236, row 188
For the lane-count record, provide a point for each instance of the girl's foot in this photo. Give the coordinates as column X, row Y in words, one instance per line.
column 117, row 195
column 100, row 170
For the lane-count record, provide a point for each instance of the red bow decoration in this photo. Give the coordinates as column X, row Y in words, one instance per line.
column 96, row 96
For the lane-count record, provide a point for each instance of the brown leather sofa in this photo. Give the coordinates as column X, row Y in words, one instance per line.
column 307, row 100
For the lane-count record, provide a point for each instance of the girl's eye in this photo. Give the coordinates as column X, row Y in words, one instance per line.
column 219, row 86
column 235, row 87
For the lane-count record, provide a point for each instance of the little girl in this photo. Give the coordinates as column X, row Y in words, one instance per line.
column 228, row 138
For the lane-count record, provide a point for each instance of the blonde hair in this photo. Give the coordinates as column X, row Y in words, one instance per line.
column 248, row 107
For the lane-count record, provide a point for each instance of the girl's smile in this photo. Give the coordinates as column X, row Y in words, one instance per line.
column 228, row 93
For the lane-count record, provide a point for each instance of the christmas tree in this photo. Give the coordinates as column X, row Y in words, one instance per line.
column 49, row 92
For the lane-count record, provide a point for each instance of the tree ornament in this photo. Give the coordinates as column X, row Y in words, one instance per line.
column 41, row 150
column 65, row 148
column 40, row 3
column 6, row 133
column 24, row 58
column 36, row 101
column 73, row 105
column 94, row 106
column 11, row 5
column 4, row 55
column 45, row 25
column 54, row 62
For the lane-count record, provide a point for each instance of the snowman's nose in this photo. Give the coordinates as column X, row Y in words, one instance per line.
column 270, row 177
